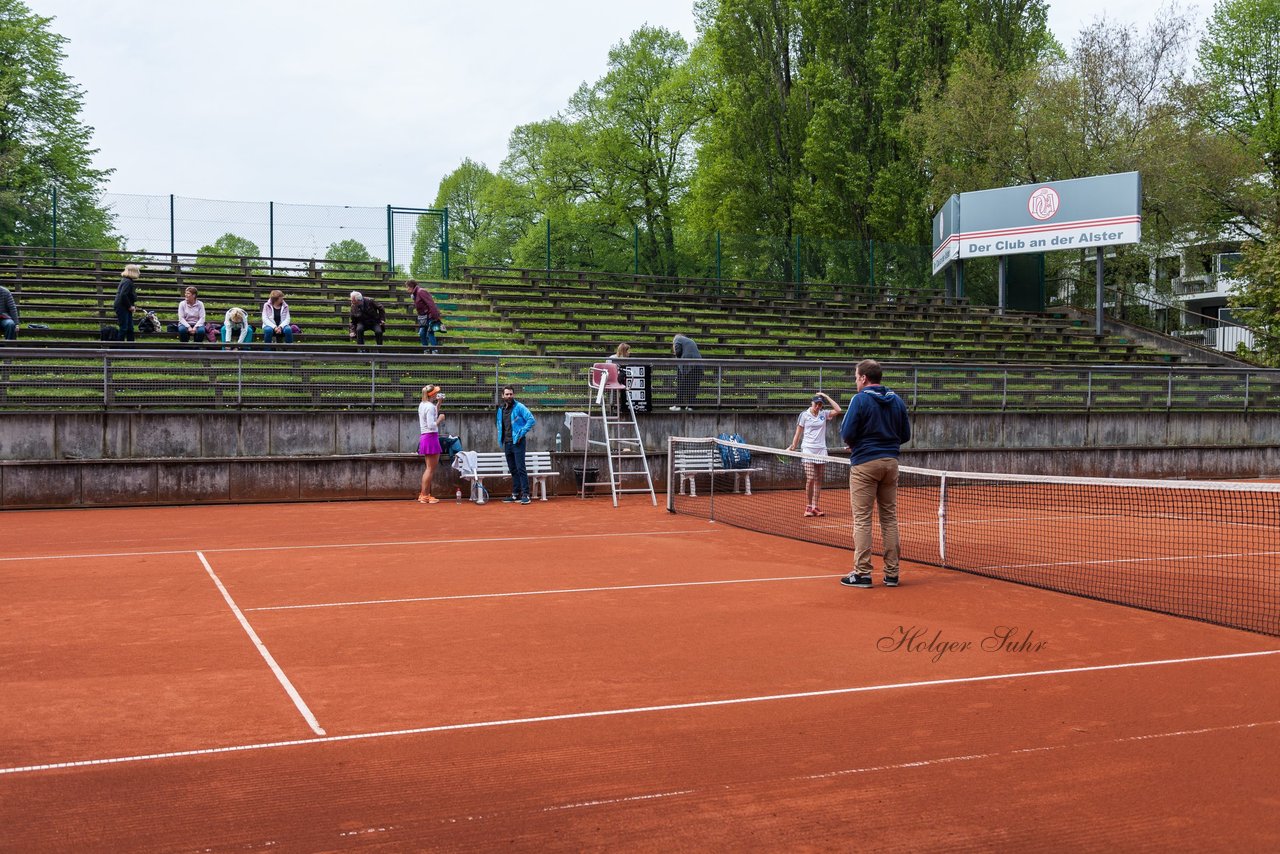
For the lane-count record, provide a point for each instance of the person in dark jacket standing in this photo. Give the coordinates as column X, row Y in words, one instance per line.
column 688, row 374
column 366, row 316
column 8, row 314
column 428, row 315
column 875, row 427
column 127, row 299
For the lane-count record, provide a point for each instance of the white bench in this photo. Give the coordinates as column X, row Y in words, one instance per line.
column 489, row 464
column 690, row 464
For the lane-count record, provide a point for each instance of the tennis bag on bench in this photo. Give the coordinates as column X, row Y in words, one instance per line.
column 734, row 458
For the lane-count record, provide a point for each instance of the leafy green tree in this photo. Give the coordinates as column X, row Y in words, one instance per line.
column 638, row 123
column 462, row 192
column 44, row 145
column 1239, row 96
column 223, row 254
column 350, row 259
column 1256, row 302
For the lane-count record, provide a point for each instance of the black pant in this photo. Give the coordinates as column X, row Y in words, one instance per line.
column 687, row 382
column 375, row 328
column 124, row 317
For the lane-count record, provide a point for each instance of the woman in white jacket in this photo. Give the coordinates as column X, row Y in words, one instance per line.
column 275, row 319
column 236, row 322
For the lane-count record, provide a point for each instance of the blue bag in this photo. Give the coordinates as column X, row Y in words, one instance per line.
column 734, row 458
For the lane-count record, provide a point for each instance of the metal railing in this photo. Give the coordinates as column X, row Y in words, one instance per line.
column 291, row 380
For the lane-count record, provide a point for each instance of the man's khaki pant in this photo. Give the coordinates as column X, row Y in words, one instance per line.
column 873, row 483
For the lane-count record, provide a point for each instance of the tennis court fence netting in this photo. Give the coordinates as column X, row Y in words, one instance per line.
column 1205, row 550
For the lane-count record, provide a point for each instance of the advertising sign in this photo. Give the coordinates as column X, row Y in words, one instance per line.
column 1082, row 213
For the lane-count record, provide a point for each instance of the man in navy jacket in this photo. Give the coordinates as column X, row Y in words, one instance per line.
column 874, row 427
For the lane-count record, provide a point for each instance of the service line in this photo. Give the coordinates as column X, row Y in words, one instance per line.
column 636, row 710
column 305, row 546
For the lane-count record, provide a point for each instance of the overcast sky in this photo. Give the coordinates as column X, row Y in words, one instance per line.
column 341, row 103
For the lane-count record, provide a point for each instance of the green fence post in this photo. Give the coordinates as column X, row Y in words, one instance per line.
column 871, row 265
column 271, row 237
column 719, row 276
column 635, row 233
column 446, row 243
column 799, row 269
column 55, row 222
column 548, row 250
column 391, row 243
column 171, row 242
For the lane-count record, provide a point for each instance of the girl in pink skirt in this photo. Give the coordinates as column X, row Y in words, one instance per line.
column 429, row 418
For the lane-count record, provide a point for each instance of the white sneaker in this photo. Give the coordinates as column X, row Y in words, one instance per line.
column 676, row 408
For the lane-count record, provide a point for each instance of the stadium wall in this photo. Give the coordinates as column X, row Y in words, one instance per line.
column 58, row 459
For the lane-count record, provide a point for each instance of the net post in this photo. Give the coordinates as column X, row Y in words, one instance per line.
column 671, row 474
column 942, row 519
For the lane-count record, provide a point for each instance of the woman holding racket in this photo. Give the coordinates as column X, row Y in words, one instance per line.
column 429, row 418
column 811, row 435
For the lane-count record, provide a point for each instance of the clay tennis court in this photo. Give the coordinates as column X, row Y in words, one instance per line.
column 566, row 676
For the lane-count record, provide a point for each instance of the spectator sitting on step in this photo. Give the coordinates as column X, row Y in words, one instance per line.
column 191, row 317
column 8, row 314
column 275, row 319
column 366, row 316
column 236, row 322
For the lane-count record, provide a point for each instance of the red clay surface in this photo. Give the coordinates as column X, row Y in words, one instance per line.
column 527, row 722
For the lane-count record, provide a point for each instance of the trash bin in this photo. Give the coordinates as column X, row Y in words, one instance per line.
column 593, row 475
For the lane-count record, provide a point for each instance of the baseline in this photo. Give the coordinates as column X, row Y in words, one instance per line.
column 637, row 710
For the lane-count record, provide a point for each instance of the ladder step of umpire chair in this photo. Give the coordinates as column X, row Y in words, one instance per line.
column 620, row 432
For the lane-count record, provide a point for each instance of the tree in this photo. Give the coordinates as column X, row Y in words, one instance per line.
column 1256, row 302
column 462, row 193
column 44, row 146
column 1239, row 96
column 638, row 121
column 231, row 247
column 350, row 259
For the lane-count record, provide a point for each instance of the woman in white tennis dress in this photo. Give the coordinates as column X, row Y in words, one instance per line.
column 811, row 435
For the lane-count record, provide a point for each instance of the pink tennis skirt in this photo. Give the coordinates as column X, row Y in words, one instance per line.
column 429, row 444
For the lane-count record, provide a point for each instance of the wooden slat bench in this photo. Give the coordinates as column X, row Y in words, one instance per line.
column 689, row 464
column 493, row 464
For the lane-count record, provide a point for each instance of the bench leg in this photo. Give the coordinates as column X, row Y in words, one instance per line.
column 748, row 477
column 540, row 482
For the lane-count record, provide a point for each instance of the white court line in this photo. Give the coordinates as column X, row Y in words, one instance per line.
column 366, row 545
column 636, row 710
column 266, row 655
column 540, row 592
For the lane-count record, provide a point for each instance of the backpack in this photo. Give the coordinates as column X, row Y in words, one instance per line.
column 450, row 446
column 734, row 458
column 108, row 333
column 149, row 324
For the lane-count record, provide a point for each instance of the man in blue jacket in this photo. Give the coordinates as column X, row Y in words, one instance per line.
column 514, row 423
column 874, row 427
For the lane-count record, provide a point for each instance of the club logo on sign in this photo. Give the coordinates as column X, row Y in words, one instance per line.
column 1043, row 203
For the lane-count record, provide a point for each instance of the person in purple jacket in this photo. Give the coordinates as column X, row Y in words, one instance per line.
column 875, row 426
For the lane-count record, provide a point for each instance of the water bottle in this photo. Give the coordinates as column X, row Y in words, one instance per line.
column 457, row 495
column 558, row 443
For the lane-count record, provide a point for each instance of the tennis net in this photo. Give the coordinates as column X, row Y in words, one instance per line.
column 1204, row 550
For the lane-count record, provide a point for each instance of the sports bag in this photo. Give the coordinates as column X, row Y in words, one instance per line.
column 734, row 458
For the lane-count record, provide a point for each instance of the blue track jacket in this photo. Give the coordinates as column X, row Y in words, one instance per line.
column 522, row 422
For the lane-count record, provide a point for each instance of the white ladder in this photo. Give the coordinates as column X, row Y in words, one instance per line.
column 621, row 441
